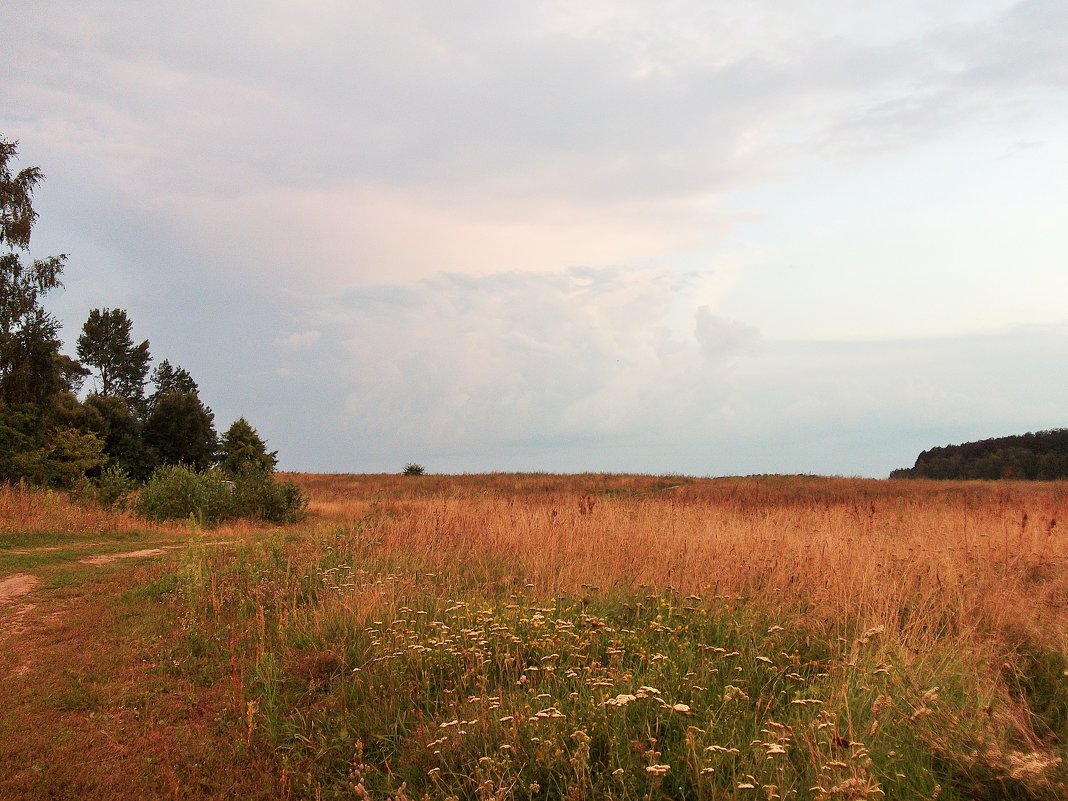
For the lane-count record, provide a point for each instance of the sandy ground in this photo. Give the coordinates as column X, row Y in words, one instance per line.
column 12, row 587
column 106, row 558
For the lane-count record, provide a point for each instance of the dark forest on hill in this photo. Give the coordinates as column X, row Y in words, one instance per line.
column 1038, row 456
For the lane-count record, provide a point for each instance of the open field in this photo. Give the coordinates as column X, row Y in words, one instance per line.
column 540, row 636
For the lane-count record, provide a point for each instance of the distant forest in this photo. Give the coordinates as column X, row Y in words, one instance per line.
column 1041, row 456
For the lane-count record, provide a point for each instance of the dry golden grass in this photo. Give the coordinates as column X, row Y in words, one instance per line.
column 26, row 510
column 977, row 561
column 962, row 586
column 357, row 629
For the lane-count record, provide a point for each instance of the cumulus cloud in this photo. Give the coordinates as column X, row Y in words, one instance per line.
column 720, row 338
column 617, row 369
column 565, row 356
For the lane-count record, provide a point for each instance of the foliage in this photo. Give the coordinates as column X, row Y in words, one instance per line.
column 181, row 430
column 1041, row 456
column 242, row 450
column 32, row 450
column 177, row 492
column 413, row 469
column 106, row 344
column 114, row 487
column 32, row 370
column 49, row 437
column 64, row 458
column 112, row 420
column 258, row 496
column 167, row 379
column 17, row 215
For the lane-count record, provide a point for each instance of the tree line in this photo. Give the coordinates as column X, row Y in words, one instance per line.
column 1038, row 456
column 135, row 419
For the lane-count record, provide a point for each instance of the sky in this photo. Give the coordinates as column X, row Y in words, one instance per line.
column 700, row 237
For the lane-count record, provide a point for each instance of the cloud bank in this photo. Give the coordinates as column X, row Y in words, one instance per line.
column 686, row 235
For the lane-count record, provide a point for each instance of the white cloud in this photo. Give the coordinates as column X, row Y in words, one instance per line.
column 616, row 370
column 568, row 355
column 466, row 182
column 391, row 141
column 298, row 340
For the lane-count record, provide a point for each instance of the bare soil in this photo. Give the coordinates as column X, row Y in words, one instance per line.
column 106, row 558
column 17, row 585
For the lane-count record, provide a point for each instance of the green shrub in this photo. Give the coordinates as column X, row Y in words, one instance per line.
column 114, row 487
column 175, row 492
column 260, row 496
column 178, row 492
column 413, row 469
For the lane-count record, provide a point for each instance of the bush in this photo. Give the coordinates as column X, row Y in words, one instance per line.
column 176, row 492
column 258, row 495
column 413, row 469
column 179, row 492
column 114, row 487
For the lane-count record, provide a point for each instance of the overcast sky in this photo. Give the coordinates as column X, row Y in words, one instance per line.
column 701, row 237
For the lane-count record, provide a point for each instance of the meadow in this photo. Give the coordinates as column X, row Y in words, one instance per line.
column 546, row 637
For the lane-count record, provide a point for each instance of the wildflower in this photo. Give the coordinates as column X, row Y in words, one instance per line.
column 879, row 705
column 1031, row 766
column 658, row 770
column 551, row 712
column 719, row 749
column 681, row 708
column 731, row 693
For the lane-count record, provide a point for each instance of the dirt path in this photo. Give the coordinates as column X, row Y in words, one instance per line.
column 106, row 558
column 94, row 702
column 17, row 585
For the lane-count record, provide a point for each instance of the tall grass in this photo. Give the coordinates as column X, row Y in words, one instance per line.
column 24, row 510
column 645, row 637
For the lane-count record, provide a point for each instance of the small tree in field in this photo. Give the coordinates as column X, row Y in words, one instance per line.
column 242, row 451
column 413, row 469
